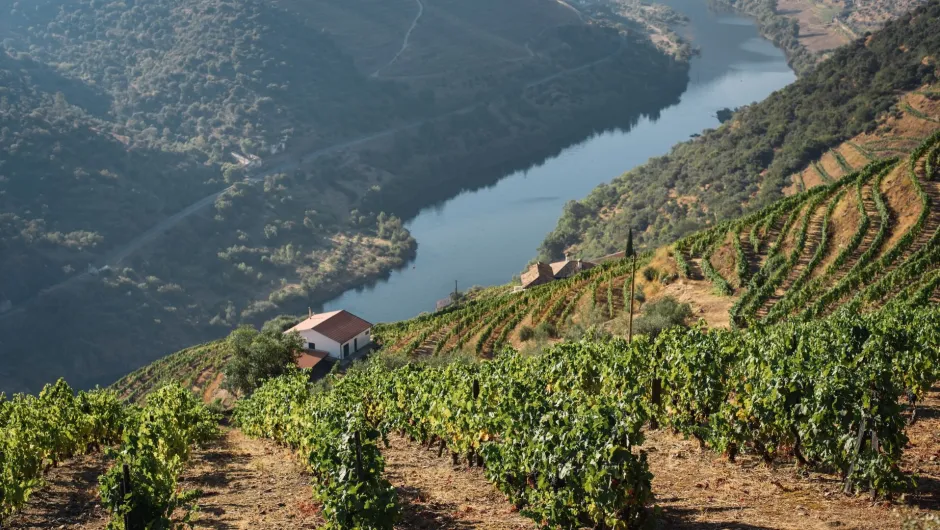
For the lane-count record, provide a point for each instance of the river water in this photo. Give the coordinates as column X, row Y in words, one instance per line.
column 486, row 236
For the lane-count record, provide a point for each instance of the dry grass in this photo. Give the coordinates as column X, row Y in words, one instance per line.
column 902, row 202
column 843, row 224
column 69, row 498
column 724, row 259
column 853, row 157
column 700, row 294
column 831, row 166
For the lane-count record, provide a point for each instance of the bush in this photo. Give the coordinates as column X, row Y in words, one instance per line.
column 546, row 329
column 661, row 314
column 526, row 333
column 650, row 274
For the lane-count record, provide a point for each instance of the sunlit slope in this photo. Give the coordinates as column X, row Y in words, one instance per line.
column 860, row 241
column 869, row 237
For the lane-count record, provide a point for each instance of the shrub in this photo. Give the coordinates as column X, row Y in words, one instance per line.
column 526, row 333
column 661, row 314
column 546, row 329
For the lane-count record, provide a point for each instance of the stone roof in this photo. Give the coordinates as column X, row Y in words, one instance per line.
column 537, row 271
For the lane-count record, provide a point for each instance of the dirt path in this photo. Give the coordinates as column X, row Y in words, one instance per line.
column 69, row 499
column 250, row 483
column 405, row 41
column 435, row 494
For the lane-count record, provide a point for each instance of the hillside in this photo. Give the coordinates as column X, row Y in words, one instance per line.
column 797, row 390
column 865, row 237
column 746, row 163
column 144, row 106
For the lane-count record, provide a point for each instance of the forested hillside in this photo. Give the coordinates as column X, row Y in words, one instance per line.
column 746, row 163
column 209, row 75
column 129, row 219
column 60, row 167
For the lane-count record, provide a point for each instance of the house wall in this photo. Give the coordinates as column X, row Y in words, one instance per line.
column 322, row 343
column 360, row 341
column 330, row 346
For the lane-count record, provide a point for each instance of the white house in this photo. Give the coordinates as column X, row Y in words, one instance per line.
column 339, row 334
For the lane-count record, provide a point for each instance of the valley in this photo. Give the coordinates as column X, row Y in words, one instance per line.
column 322, row 196
column 740, row 331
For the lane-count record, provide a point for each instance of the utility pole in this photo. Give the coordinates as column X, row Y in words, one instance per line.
column 455, row 308
column 631, row 253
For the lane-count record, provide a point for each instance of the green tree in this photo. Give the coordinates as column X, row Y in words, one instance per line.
column 257, row 356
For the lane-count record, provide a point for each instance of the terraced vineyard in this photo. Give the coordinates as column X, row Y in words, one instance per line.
column 858, row 241
column 488, row 324
column 197, row 368
column 867, row 237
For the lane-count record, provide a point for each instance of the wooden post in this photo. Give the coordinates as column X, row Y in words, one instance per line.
column 656, row 399
column 358, row 456
column 632, row 291
column 125, row 491
column 847, row 489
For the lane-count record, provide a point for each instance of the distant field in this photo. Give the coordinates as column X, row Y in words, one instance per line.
column 828, row 24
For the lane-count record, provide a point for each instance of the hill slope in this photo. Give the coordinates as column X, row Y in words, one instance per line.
column 157, row 96
column 746, row 163
column 869, row 238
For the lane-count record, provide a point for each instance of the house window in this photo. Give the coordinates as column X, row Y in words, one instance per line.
column 311, row 346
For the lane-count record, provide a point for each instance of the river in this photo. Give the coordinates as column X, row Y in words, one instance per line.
column 484, row 237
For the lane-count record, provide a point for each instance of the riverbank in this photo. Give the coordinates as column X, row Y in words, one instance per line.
column 328, row 224
column 485, row 236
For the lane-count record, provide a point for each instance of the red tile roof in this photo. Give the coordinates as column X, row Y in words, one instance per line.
column 340, row 326
column 309, row 359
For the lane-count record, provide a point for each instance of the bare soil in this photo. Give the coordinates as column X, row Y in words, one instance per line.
column 436, row 494
column 69, row 498
column 250, row 483
column 702, row 490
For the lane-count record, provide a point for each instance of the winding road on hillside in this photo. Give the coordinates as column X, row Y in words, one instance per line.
column 405, row 41
column 117, row 256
